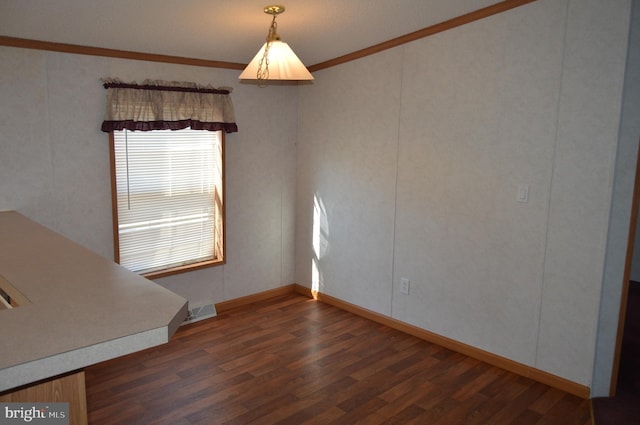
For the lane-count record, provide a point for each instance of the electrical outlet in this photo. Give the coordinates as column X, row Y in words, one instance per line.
column 404, row 286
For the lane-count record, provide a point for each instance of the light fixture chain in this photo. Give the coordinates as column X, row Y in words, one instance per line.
column 263, row 74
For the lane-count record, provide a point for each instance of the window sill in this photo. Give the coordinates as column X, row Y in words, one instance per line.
column 183, row 269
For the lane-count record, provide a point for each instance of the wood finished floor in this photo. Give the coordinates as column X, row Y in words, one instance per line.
column 292, row 360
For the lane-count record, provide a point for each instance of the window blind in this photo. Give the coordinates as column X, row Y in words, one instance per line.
column 168, row 184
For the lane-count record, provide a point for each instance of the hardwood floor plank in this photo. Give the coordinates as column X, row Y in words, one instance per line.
column 327, row 414
column 528, row 417
column 402, row 407
column 519, row 405
column 292, row 360
column 363, row 408
column 549, row 399
column 282, row 414
column 405, row 415
column 435, row 411
column 569, row 410
column 488, row 374
column 466, row 412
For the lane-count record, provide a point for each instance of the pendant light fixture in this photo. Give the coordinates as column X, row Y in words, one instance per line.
column 275, row 60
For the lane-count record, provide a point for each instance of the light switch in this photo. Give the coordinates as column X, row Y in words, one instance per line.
column 404, row 286
column 523, row 193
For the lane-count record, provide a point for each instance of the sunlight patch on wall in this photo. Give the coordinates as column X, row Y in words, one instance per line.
column 320, row 242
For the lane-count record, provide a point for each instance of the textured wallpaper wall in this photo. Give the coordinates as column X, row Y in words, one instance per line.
column 419, row 173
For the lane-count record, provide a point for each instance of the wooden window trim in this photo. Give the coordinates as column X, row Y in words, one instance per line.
column 178, row 269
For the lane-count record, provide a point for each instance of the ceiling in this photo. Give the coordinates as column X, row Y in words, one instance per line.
column 225, row 30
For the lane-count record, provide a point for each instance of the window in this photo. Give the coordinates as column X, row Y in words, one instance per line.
column 168, row 200
column 167, row 156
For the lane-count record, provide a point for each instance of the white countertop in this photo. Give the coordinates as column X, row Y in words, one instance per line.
column 84, row 308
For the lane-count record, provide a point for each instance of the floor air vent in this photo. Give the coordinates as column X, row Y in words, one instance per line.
column 199, row 313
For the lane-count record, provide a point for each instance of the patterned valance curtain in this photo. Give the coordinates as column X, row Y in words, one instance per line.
column 167, row 105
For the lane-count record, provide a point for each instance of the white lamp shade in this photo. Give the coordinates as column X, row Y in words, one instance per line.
column 283, row 64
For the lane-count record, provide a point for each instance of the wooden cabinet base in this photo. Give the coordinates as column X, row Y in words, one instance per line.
column 64, row 389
